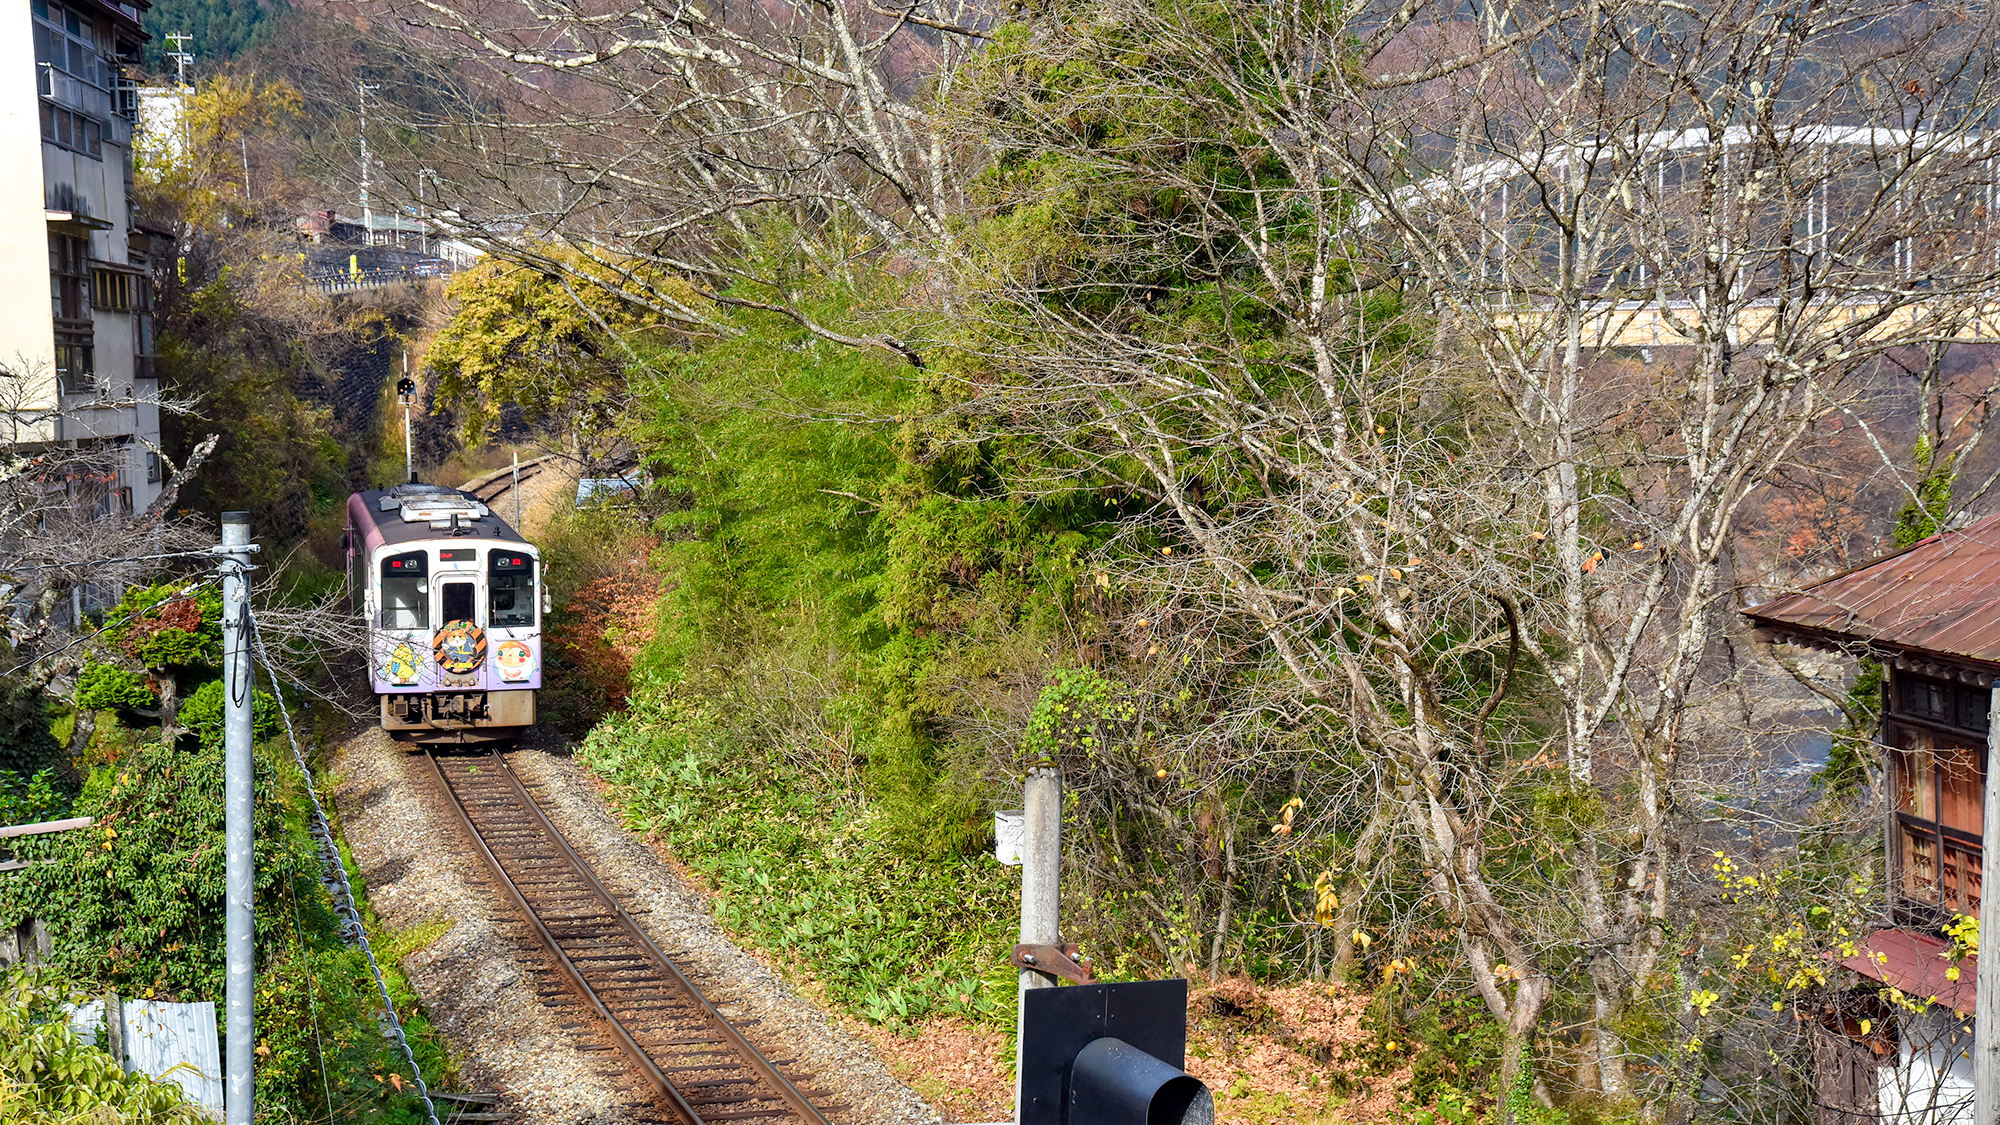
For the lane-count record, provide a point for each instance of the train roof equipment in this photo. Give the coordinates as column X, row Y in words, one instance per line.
column 410, row 512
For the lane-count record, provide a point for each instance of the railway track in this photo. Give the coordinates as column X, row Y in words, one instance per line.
column 699, row 1066
column 490, row 488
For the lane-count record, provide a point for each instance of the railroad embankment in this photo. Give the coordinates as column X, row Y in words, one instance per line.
column 498, row 1001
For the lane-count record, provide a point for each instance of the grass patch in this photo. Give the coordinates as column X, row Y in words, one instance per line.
column 809, row 874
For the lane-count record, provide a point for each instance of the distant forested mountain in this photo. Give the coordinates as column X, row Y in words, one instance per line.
column 222, row 29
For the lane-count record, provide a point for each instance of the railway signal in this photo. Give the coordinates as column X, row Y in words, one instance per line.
column 406, row 395
column 1109, row 1054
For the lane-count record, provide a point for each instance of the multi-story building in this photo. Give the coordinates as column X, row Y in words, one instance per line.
column 76, row 368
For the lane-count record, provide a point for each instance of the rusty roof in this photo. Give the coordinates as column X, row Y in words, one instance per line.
column 1940, row 596
column 1920, row 965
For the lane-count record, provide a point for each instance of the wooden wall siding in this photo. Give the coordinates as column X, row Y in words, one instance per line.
column 1848, row 1084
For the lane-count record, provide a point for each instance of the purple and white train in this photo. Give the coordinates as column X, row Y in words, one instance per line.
column 453, row 602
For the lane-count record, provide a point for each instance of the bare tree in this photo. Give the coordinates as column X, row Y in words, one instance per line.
column 1448, row 374
column 652, row 141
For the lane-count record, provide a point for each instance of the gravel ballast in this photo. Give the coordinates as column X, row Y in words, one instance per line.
column 503, row 1012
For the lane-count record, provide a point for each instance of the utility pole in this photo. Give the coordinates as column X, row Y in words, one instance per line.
column 239, row 934
column 406, row 393
column 1986, row 1004
column 517, row 491
column 245, row 141
column 1041, row 885
column 367, row 214
column 181, row 59
column 180, row 56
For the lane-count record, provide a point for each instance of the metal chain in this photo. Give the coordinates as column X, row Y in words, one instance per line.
column 336, row 883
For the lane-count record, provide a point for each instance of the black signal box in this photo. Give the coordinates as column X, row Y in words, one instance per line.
column 1109, row 1054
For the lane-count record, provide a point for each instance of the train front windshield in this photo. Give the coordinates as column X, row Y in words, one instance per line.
column 511, row 589
column 405, row 604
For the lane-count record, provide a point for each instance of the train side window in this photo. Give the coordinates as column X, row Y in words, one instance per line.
column 510, row 588
column 456, row 602
column 404, row 605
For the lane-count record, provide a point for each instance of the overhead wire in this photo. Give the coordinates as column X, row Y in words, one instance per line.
column 186, row 592
column 340, row 889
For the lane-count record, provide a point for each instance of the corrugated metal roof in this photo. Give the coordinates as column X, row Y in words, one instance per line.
column 1938, row 596
column 1916, row 963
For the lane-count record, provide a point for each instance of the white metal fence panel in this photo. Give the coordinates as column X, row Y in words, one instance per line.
column 176, row 1042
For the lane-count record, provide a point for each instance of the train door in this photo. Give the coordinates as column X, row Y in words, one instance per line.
column 457, row 584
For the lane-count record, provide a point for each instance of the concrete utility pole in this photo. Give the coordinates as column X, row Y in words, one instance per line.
column 180, row 56
column 517, row 491
column 1986, row 1008
column 240, row 950
column 1041, row 889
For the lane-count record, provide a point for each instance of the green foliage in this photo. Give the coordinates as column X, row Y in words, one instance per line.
column 203, row 714
column 1855, row 750
column 135, row 903
column 1925, row 513
column 164, row 627
column 1078, row 713
column 103, row 687
column 25, row 800
column 26, row 746
column 136, row 900
column 810, row 875
column 557, row 355
column 50, row 1076
column 222, row 29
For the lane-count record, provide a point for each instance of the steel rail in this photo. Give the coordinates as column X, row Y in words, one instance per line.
column 727, row 1037
column 640, row 1059
column 751, row 1056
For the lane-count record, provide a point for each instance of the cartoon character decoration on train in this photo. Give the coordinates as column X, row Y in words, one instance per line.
column 460, row 647
column 402, row 666
column 515, row 660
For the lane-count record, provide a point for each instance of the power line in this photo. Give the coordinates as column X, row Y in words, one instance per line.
column 342, row 892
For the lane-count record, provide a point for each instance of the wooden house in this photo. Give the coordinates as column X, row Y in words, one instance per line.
column 1930, row 614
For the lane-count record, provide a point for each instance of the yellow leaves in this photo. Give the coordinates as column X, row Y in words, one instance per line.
column 1327, row 899
column 1362, row 939
column 1703, row 999
column 1867, row 1026
column 1951, row 973
column 1166, row 550
column 1160, row 774
column 1396, row 574
column 1638, row 544
column 1284, row 825
column 1103, row 579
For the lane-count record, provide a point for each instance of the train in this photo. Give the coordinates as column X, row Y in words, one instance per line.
column 454, row 602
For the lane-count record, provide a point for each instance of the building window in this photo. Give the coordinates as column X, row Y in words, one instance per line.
column 111, row 290
column 69, row 277
column 1939, row 790
column 72, row 130
column 76, row 367
column 152, row 468
column 70, row 42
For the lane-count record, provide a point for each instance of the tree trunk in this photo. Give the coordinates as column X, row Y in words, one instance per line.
column 170, row 709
